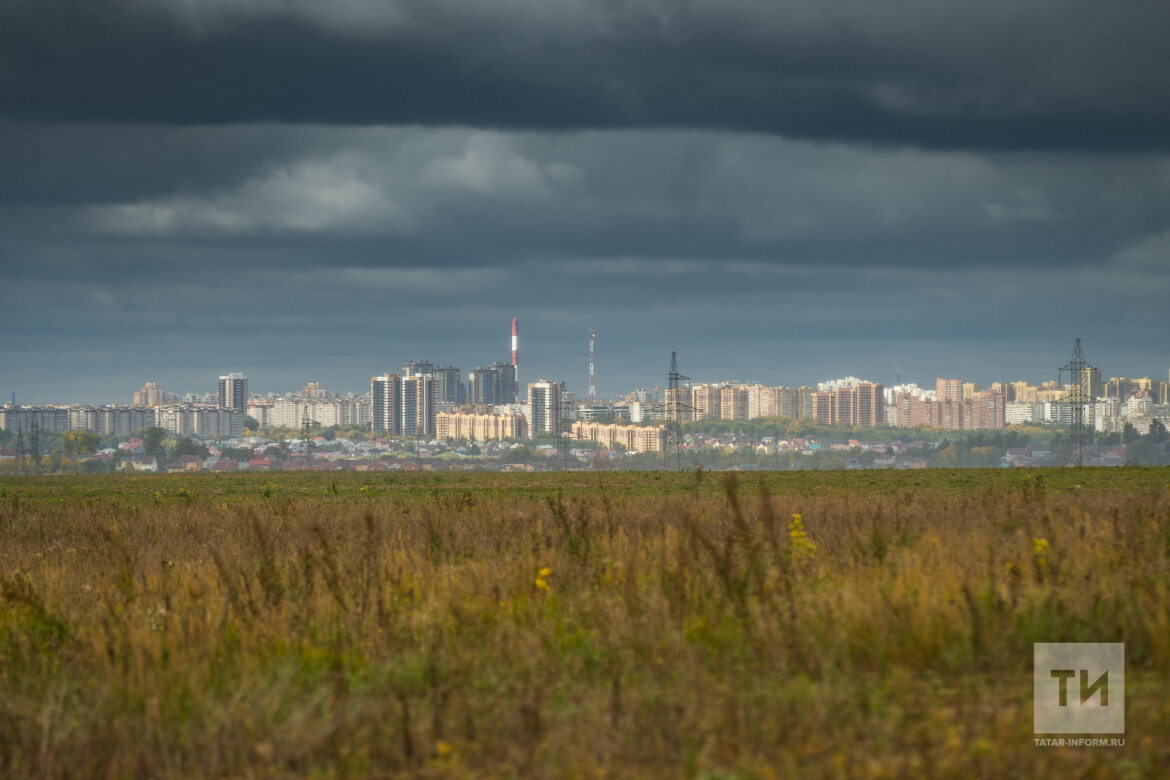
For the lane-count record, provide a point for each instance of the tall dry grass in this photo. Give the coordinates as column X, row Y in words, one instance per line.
column 691, row 635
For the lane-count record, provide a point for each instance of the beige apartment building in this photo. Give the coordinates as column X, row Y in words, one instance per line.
column 706, row 402
column 948, row 389
column 733, row 403
column 151, row 394
column 633, row 438
column 467, row 426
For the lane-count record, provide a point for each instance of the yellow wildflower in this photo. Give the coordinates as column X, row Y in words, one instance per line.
column 1040, row 552
column 798, row 543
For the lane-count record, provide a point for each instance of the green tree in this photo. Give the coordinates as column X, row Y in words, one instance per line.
column 985, row 457
column 251, row 423
column 948, row 457
column 81, row 442
column 1129, row 434
column 1157, row 433
column 188, row 446
column 238, row 453
column 152, row 443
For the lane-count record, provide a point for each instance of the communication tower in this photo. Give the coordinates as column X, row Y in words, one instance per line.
column 592, row 394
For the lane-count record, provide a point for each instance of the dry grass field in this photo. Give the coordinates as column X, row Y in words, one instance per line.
column 871, row 624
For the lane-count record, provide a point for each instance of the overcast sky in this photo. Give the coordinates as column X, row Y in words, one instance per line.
column 783, row 192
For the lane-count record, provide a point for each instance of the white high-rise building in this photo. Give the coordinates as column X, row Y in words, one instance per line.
column 544, row 408
column 386, row 404
column 233, row 392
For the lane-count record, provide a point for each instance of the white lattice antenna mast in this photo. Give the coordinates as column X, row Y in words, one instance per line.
column 592, row 394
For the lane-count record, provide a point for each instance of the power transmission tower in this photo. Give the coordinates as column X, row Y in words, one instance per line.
column 20, row 447
column 565, row 444
column 306, row 428
column 676, row 409
column 1079, row 375
column 35, row 444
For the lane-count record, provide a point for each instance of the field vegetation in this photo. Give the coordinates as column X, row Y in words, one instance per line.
column 837, row 624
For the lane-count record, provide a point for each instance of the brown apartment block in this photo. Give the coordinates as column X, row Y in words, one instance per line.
column 861, row 405
column 844, row 406
column 869, row 405
column 987, row 410
column 912, row 410
column 823, row 407
column 992, row 410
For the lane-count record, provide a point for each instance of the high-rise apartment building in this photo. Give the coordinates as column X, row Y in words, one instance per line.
column 733, row 403
column 544, row 408
column 417, row 368
column 706, row 402
column 948, row 413
column 507, row 374
column 786, row 405
column 914, row 410
column 1024, row 392
column 869, row 404
column 948, row 390
column 151, row 394
column 386, row 404
column 448, row 386
column 844, row 406
column 822, row 407
column 761, row 401
column 233, row 392
column 313, row 391
column 483, row 386
column 992, row 410
column 418, row 410
column 806, row 402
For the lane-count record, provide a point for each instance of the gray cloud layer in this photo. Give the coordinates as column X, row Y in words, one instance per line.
column 781, row 191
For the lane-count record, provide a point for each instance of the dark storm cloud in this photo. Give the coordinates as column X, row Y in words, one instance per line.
column 997, row 75
column 457, row 198
column 783, row 191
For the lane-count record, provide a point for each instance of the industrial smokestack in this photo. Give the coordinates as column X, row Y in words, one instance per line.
column 516, row 358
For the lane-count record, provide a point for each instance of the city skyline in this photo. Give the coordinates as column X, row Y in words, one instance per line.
column 778, row 192
column 980, row 373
